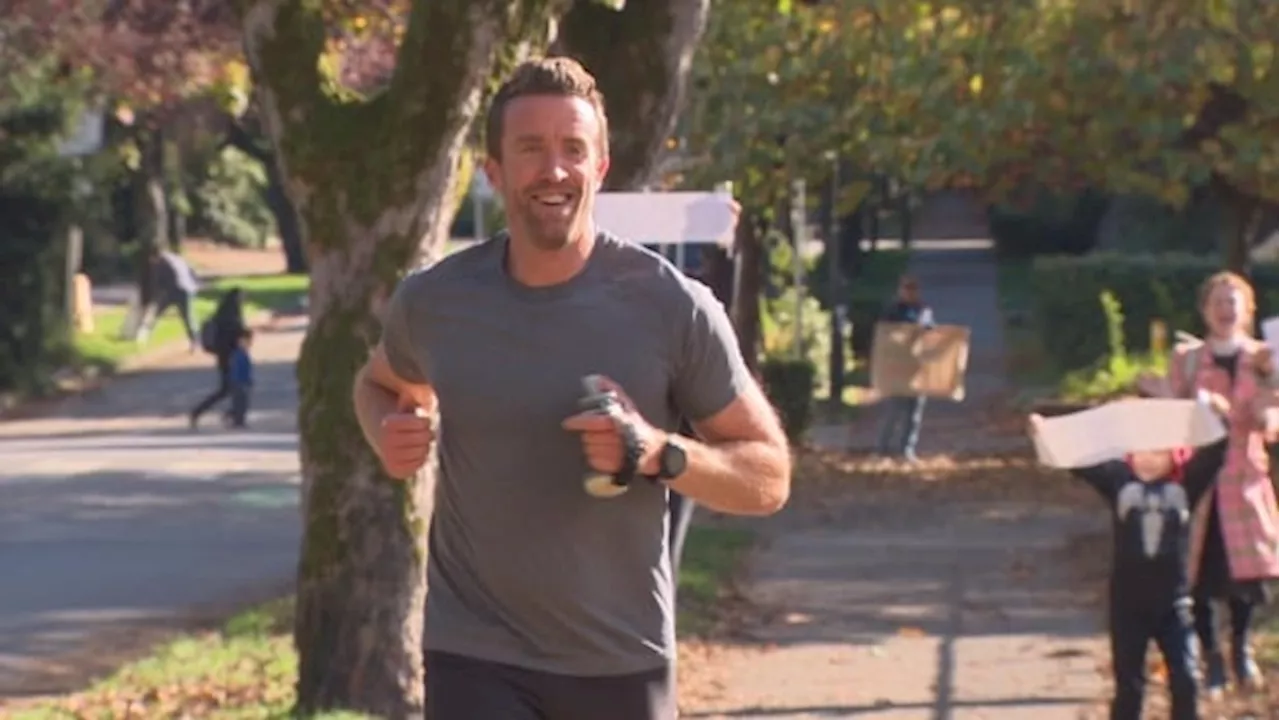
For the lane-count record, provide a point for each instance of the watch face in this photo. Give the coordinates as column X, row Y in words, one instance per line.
column 673, row 461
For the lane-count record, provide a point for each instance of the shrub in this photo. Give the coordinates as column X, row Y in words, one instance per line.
column 1072, row 325
column 230, row 201
column 789, row 382
column 1116, row 373
column 778, row 332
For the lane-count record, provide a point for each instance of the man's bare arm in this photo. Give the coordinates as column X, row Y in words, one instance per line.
column 743, row 464
column 379, row 392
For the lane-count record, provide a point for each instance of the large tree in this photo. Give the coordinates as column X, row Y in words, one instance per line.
column 374, row 177
column 1161, row 99
column 1158, row 99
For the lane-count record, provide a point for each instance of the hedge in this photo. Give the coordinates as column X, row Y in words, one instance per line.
column 1054, row 224
column 1069, row 316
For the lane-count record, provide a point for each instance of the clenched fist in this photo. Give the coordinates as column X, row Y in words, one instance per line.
column 404, row 440
column 602, row 437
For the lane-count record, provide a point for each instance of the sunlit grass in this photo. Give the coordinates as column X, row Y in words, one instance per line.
column 247, row 669
column 104, row 347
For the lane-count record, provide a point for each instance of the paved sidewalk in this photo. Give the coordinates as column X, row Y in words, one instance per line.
column 114, row 514
column 896, row 608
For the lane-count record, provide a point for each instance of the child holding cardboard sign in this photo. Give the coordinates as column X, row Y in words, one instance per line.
column 1151, row 494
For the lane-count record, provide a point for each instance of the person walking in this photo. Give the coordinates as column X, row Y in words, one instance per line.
column 546, row 601
column 900, row 431
column 1234, row 536
column 175, row 285
column 221, row 335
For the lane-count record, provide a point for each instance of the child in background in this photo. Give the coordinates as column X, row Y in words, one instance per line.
column 1152, row 495
column 241, row 376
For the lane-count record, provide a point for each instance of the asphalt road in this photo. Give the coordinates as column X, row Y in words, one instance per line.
column 115, row 515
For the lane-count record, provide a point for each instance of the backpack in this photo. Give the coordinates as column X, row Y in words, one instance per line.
column 209, row 336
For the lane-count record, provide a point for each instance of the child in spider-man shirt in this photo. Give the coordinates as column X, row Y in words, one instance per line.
column 1152, row 495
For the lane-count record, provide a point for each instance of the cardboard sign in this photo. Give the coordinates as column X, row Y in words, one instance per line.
column 1109, row 432
column 667, row 218
column 909, row 360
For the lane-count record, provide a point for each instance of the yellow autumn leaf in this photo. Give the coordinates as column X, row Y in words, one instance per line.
column 975, row 84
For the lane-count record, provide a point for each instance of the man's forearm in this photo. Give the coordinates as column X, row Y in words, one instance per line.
column 739, row 478
column 372, row 403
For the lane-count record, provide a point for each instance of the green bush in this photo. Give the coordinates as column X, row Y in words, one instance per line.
column 1072, row 326
column 1116, row 373
column 230, row 202
column 789, row 382
column 36, row 200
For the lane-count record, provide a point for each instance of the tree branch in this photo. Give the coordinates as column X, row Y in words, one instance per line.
column 640, row 57
column 241, row 139
column 427, row 109
column 283, row 40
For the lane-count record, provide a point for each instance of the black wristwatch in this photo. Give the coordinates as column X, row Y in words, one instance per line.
column 671, row 461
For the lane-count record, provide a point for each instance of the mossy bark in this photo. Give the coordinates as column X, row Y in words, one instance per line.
column 374, row 185
column 641, row 58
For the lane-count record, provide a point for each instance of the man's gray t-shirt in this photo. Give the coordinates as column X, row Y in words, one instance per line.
column 525, row 568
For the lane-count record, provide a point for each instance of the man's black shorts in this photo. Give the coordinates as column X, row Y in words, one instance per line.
column 462, row 688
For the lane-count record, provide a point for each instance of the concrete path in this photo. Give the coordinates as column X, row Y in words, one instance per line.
column 893, row 603
column 115, row 516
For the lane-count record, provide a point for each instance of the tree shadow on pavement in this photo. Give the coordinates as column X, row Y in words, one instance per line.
column 919, row 587
column 88, row 554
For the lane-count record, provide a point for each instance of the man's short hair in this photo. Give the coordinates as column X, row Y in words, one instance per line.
column 560, row 76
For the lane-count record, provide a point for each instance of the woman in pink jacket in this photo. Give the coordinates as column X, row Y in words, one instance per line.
column 1233, row 543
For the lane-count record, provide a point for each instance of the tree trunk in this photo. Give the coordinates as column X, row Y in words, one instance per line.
column 749, row 272
column 295, row 256
column 717, row 273
column 1243, row 215
column 151, row 218
column 274, row 194
column 640, row 57
column 175, row 194
column 373, row 184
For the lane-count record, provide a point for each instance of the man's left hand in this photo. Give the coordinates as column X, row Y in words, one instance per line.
column 602, row 437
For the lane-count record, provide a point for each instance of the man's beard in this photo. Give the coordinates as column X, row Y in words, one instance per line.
column 550, row 233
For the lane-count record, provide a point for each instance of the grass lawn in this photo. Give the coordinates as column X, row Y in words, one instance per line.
column 103, row 347
column 246, row 670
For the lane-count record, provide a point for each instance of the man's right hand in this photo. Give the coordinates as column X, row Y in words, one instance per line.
column 404, row 440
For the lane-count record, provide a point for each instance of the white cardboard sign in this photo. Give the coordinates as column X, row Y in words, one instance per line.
column 667, row 218
column 1109, row 432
